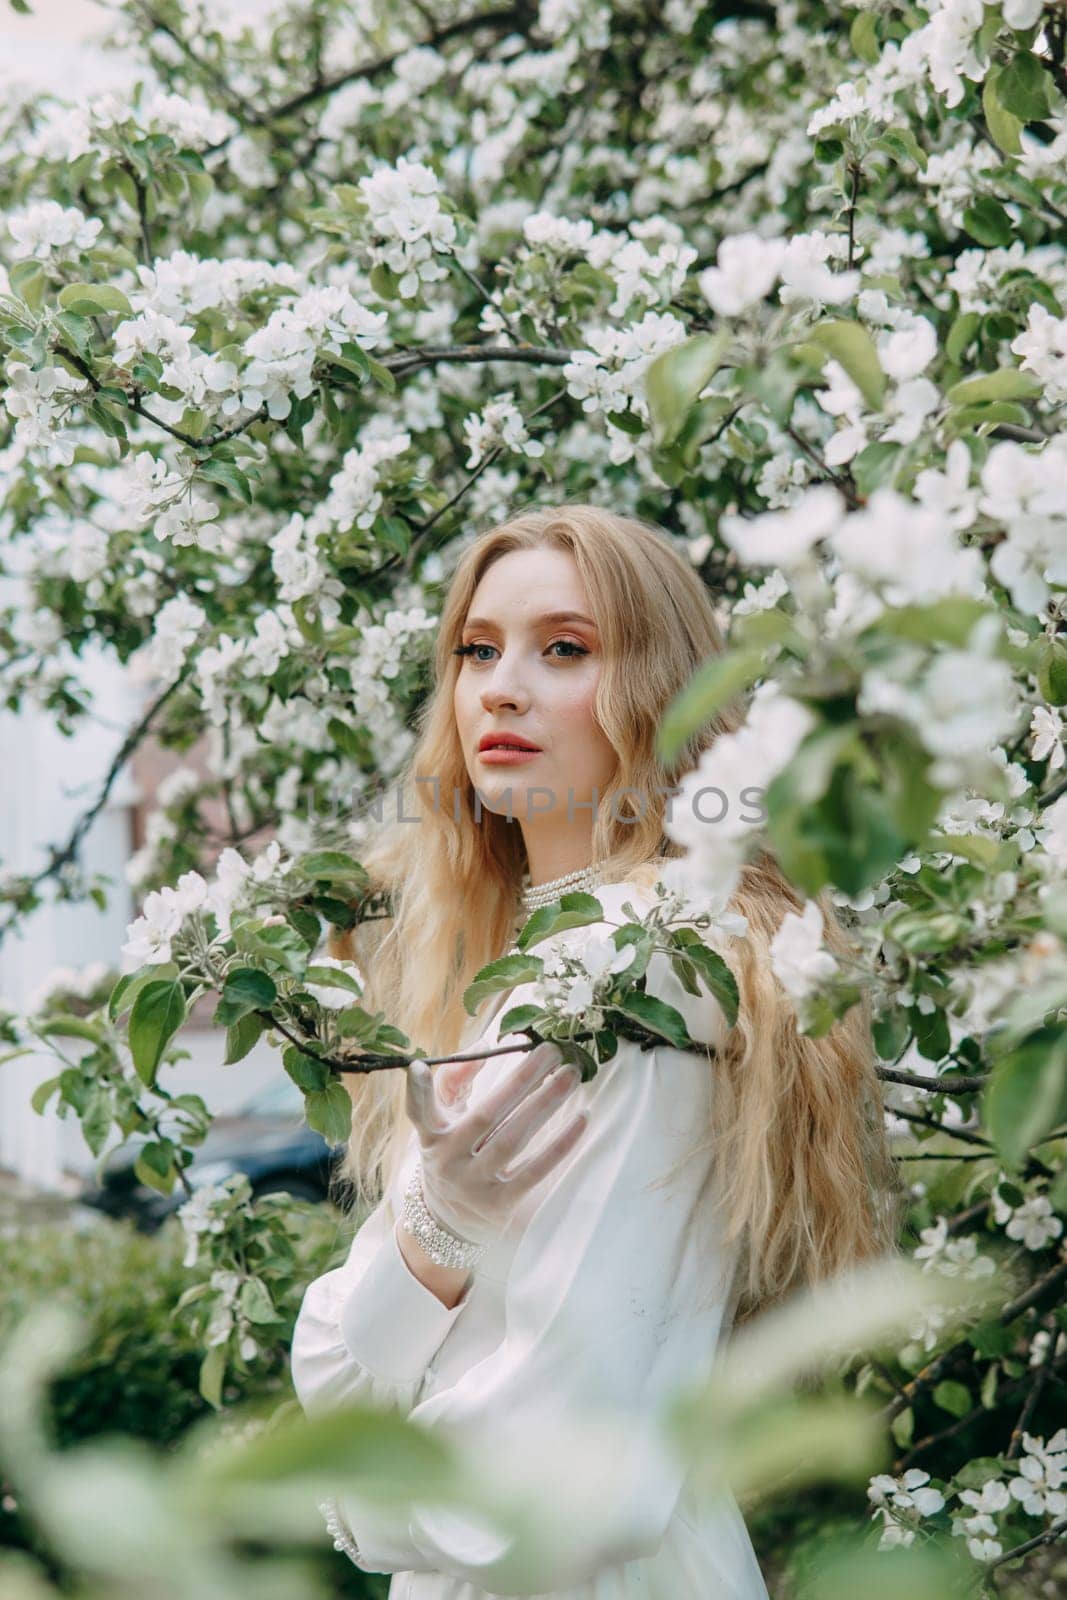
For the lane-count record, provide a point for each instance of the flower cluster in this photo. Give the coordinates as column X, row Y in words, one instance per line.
column 409, row 228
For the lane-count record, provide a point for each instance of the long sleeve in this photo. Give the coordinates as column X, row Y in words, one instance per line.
column 614, row 1299
column 368, row 1329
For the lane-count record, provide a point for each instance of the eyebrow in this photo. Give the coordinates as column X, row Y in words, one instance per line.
column 547, row 616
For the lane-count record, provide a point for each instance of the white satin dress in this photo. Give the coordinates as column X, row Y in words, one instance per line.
column 607, row 1292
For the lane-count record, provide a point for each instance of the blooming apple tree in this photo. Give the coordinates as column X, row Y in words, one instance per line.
column 287, row 323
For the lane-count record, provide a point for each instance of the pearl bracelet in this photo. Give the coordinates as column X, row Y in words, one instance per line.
column 339, row 1531
column 443, row 1247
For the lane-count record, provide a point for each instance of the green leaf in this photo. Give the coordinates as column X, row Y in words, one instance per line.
column 329, row 1112
column 1023, row 87
column 1006, row 129
column 516, row 1019
column 306, row 924
column 95, row 1117
column 1027, row 1094
column 336, row 977
column 1052, row 672
column 573, row 910
column 356, row 1023
column 276, row 943
column 1010, row 383
column 988, row 222
column 333, row 866
column 43, row 1093
column 130, row 985
column 903, row 144
column 242, row 1036
column 961, row 333
column 932, row 1037
column 674, row 381
column 212, row 1372
column 158, row 1013
column 92, row 299
column 902, row 1427
column 27, row 281
column 381, row 375
column 229, row 476
column 65, row 1027
column 890, row 1033
column 655, row 1015
column 506, row 973
column 976, row 847
column 715, row 685
column 955, row 1398
column 154, row 1165
column 256, row 1302
column 307, row 1072
column 384, row 281
column 373, row 1451
column 712, row 968
column 851, row 345
column 705, row 421
column 875, row 465
column 863, row 36
column 924, row 932
column 245, row 989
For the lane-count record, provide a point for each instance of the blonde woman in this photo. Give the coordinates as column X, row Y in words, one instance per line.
column 543, row 1251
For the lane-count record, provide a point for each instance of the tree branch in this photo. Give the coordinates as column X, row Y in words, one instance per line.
column 61, row 855
column 933, row 1370
column 951, row 1085
column 518, row 16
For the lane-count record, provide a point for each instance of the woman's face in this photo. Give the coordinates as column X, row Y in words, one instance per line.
column 535, row 675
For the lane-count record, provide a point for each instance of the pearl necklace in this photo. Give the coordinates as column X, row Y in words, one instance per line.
column 534, row 896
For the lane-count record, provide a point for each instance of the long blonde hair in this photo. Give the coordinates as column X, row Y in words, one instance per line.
column 807, row 1182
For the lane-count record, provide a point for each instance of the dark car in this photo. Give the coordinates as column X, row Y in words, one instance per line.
column 266, row 1139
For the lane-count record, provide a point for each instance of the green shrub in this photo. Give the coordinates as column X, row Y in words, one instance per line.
column 137, row 1372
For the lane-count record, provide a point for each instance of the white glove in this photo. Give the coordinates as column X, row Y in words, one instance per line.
column 465, row 1152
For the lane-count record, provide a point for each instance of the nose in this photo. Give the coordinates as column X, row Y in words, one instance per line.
column 503, row 687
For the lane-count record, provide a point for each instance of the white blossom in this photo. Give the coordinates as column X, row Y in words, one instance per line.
column 1043, row 348
column 1033, row 1223
column 1039, row 1486
column 745, row 272
column 45, row 228
column 410, row 229
column 500, row 424
column 177, row 625
column 798, row 959
column 783, row 538
column 1046, row 728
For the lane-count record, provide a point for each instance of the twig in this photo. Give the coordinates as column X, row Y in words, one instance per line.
column 944, row 1434
column 933, row 1370
column 425, row 527
column 1052, row 794
column 1050, row 1535
column 1015, row 1443
column 61, row 855
column 429, row 356
column 473, row 279
column 854, row 173
column 939, row 1127
column 950, row 1085
column 517, row 16
column 133, row 403
column 813, row 455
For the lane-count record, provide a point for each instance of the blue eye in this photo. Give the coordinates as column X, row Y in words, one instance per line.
column 469, row 650
column 571, row 645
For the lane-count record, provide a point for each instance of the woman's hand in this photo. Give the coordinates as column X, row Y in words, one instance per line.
column 466, row 1154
